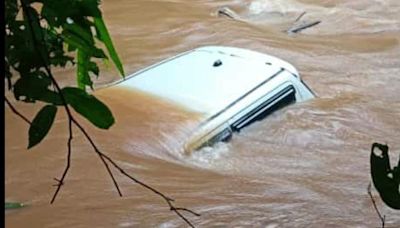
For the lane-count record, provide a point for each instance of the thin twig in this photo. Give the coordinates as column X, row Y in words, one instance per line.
column 382, row 218
column 166, row 198
column 16, row 111
column 300, row 16
column 185, row 209
column 98, row 153
column 61, row 181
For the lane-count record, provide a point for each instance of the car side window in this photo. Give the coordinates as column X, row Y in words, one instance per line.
column 281, row 99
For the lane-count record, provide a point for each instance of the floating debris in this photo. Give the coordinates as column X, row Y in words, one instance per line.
column 13, row 205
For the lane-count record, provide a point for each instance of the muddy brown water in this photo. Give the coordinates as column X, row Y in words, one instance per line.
column 304, row 166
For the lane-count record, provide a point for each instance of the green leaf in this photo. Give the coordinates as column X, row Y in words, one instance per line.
column 11, row 10
column 56, row 48
column 50, row 14
column 94, row 68
column 105, row 37
column 20, row 50
column 89, row 107
column 82, row 73
column 81, row 30
column 61, row 60
column 77, row 42
column 90, row 7
column 36, row 31
column 8, row 74
column 386, row 180
column 34, row 86
column 73, row 40
column 41, row 124
column 57, row 11
column 13, row 205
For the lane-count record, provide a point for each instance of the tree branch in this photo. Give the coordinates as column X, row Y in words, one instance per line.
column 167, row 199
column 98, row 153
column 61, row 181
column 64, row 103
column 15, row 111
column 382, row 218
column 104, row 158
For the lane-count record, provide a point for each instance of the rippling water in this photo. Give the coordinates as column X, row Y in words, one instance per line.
column 304, row 166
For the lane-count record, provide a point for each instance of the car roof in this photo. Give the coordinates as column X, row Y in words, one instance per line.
column 207, row 79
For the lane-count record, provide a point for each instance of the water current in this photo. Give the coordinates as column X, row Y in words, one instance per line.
column 306, row 165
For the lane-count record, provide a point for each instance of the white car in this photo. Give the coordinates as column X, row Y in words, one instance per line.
column 232, row 87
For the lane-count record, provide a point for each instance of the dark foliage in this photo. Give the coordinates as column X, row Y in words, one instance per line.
column 41, row 34
column 386, row 180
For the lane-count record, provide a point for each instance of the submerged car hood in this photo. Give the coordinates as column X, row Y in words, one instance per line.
column 207, row 79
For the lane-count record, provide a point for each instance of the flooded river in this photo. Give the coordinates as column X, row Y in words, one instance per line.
column 304, row 166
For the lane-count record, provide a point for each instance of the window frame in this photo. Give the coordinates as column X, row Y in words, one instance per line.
column 264, row 109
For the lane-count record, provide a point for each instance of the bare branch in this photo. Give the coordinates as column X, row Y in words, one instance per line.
column 185, row 209
column 98, row 153
column 167, row 199
column 382, row 218
column 180, row 215
column 15, row 111
column 61, row 181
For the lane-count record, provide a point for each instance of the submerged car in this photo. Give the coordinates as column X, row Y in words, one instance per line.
column 232, row 87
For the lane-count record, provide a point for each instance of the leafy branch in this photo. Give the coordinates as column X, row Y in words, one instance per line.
column 36, row 43
column 385, row 179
